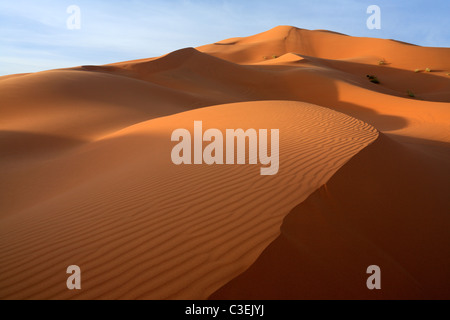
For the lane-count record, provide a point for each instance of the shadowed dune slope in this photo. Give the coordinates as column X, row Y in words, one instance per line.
column 373, row 211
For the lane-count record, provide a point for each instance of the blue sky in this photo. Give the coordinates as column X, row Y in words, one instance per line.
column 34, row 35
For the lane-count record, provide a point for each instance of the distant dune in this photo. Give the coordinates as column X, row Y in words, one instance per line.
column 86, row 176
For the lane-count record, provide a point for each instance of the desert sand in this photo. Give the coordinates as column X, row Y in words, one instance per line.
column 86, row 176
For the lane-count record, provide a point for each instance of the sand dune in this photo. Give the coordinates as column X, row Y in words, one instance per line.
column 86, row 176
column 327, row 45
column 162, row 231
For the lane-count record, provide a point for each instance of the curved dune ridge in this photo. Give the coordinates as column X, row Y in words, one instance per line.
column 86, row 176
column 145, row 228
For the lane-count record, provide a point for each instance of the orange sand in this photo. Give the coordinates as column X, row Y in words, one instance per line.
column 86, row 176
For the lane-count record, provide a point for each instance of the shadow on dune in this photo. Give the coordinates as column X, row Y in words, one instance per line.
column 28, row 145
column 371, row 212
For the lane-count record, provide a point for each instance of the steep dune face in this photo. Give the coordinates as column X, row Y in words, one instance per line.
column 373, row 211
column 86, row 176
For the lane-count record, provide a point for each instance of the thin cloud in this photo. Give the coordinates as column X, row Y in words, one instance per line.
column 32, row 31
